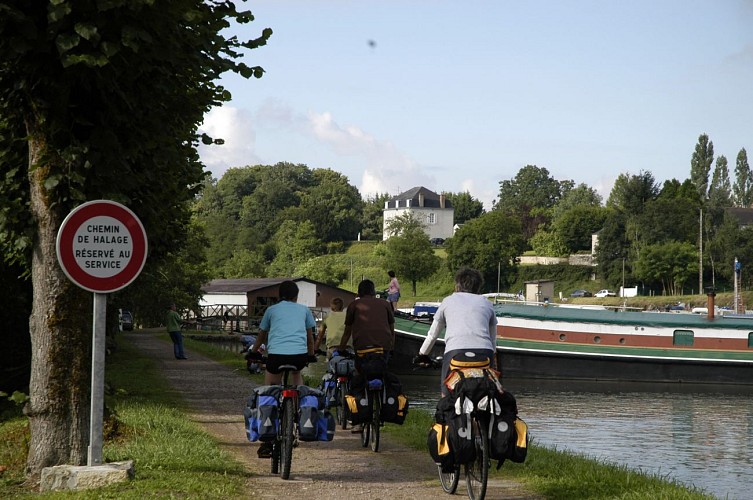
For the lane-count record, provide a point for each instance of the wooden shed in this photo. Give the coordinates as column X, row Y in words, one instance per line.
column 245, row 299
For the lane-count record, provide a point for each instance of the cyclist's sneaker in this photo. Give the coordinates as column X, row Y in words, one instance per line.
column 356, row 429
column 265, row 450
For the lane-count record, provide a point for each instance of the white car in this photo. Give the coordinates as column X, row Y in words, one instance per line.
column 605, row 293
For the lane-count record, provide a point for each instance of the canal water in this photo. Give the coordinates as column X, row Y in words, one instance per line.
column 700, row 436
column 696, row 435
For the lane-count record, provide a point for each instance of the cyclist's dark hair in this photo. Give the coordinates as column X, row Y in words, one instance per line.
column 468, row 280
column 288, row 290
column 366, row 287
column 391, row 274
column 336, row 304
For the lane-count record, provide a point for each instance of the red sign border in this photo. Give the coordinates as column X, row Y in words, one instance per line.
column 75, row 220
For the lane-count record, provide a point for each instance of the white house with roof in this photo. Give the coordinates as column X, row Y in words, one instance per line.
column 434, row 210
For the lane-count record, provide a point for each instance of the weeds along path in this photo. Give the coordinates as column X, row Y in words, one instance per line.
column 321, row 470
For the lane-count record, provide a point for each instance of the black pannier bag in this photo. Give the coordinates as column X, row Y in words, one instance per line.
column 439, row 447
column 358, row 402
column 452, row 430
column 371, row 363
column 394, row 402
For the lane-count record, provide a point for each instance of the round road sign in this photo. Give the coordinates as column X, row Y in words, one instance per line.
column 101, row 246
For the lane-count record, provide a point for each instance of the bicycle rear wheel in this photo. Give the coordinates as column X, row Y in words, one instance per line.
column 449, row 480
column 477, row 472
column 342, row 409
column 287, row 430
column 376, row 421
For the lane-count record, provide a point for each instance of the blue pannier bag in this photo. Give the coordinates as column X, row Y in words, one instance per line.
column 311, row 404
column 329, row 387
column 260, row 413
column 341, row 366
column 326, row 427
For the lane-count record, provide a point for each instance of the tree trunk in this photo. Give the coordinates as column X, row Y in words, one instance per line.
column 59, row 387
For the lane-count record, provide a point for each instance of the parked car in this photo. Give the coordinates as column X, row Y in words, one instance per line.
column 581, row 293
column 125, row 320
column 605, row 293
column 437, row 241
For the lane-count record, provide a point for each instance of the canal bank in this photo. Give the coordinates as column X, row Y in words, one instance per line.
column 334, row 470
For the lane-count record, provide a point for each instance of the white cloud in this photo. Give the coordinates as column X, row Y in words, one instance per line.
column 385, row 167
column 234, row 125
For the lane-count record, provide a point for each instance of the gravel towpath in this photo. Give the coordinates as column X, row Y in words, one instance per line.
column 339, row 469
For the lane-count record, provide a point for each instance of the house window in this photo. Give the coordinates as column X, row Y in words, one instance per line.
column 683, row 338
column 432, row 218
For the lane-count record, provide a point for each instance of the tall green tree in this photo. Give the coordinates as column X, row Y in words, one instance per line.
column 466, row 207
column 105, row 99
column 489, row 243
column 672, row 264
column 279, row 187
column 576, row 226
column 295, row 244
column 333, row 205
column 372, row 217
column 700, row 165
column 581, row 195
column 410, row 255
column 631, row 192
column 529, row 197
column 613, row 247
column 743, row 188
column 720, row 190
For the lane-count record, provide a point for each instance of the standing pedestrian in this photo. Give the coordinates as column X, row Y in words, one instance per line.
column 172, row 322
column 393, row 290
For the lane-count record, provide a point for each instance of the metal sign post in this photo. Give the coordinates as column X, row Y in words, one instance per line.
column 101, row 247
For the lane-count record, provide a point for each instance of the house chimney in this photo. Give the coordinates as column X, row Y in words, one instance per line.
column 441, row 201
column 420, row 199
column 710, row 294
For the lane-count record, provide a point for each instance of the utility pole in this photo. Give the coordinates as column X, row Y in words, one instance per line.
column 700, row 252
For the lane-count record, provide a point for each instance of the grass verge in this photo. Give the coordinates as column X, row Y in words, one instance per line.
column 173, row 457
column 560, row 474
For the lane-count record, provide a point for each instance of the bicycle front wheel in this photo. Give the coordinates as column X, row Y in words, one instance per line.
column 477, row 472
column 449, row 480
column 287, row 426
column 376, row 421
column 365, row 433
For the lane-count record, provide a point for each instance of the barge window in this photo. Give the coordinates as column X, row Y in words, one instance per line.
column 683, row 337
column 750, row 340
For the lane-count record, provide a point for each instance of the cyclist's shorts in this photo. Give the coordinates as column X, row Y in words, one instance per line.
column 275, row 361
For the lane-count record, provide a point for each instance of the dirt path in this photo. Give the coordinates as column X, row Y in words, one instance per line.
column 321, row 470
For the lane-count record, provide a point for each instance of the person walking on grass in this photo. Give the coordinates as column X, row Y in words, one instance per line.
column 393, row 290
column 172, row 323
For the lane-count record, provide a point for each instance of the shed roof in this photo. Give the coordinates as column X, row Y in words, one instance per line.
column 243, row 285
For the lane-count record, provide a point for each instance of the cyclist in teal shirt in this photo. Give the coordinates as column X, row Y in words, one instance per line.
column 287, row 329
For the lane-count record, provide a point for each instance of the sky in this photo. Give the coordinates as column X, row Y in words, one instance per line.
column 459, row 96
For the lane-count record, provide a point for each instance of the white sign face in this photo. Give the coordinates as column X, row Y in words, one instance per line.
column 102, row 246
